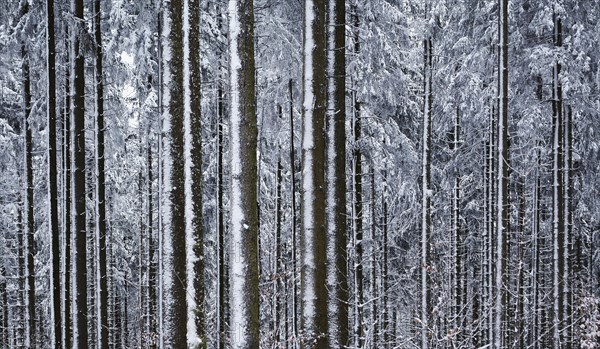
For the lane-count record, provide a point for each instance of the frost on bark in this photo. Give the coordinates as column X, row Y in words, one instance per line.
column 243, row 273
column 426, row 193
column 177, row 318
column 30, row 315
column 193, row 173
column 102, row 296
column 313, row 236
column 79, row 181
column 336, row 174
column 56, row 338
column 502, row 219
column 558, row 231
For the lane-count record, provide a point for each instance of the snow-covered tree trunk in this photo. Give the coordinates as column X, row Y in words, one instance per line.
column 426, row 193
column 29, row 231
column 222, row 278
column 558, row 233
column 68, row 185
column 80, row 329
column 386, row 311
column 4, row 332
column 502, row 220
column 102, row 287
column 294, row 220
column 53, row 227
column 150, row 261
column 196, row 326
column 337, row 282
column 570, row 278
column 458, row 272
column 244, row 294
column 164, row 153
column 178, row 317
column 313, row 237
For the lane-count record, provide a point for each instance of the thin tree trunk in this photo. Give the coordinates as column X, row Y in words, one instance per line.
column 558, row 234
column 102, row 296
column 29, row 232
column 426, row 194
column 151, row 244
column 294, row 220
column 56, row 339
column 220, row 222
column 384, row 275
column 4, row 335
column 68, row 209
column 503, row 169
column 460, row 291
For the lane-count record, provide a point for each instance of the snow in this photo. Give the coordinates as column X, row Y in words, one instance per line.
column 238, row 265
column 308, row 294
column 126, row 58
column 165, row 250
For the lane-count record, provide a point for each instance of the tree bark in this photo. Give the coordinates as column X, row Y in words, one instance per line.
column 79, row 194
column 178, row 293
column 426, row 194
column 558, row 233
column 102, row 301
column 503, row 206
column 29, row 206
column 244, row 293
column 56, row 340
column 193, row 170
column 336, row 174
column 314, row 243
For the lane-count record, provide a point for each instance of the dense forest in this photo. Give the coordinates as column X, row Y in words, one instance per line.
column 300, row 174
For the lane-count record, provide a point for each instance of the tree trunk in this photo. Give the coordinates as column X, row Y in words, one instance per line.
column 244, row 293
column 336, row 174
column 503, row 206
column 152, row 276
column 314, row 257
column 294, row 220
column 67, row 149
column 56, row 314
column 102, row 296
column 193, row 170
column 79, row 194
column 384, row 274
column 4, row 335
column 220, row 222
column 558, row 233
column 426, row 194
column 178, row 313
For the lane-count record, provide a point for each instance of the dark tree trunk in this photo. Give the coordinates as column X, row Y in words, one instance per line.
column 52, row 176
column 336, row 172
column 195, row 148
column 244, row 265
column 294, row 218
column 67, row 149
column 100, row 185
column 178, row 313
column 79, row 194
